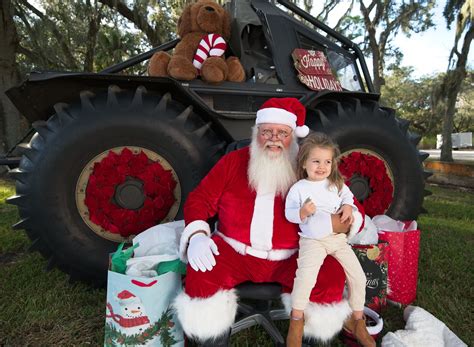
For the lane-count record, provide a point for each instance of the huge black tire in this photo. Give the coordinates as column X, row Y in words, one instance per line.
column 365, row 126
column 47, row 178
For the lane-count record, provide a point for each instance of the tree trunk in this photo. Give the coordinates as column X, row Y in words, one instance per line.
column 9, row 116
column 377, row 70
column 451, row 86
column 95, row 16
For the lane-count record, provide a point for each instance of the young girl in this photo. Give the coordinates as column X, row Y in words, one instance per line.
column 310, row 202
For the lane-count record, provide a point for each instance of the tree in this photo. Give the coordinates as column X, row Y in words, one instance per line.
column 64, row 35
column 85, row 35
column 464, row 117
column 347, row 24
column 412, row 98
column 161, row 25
column 377, row 25
column 9, row 76
column 388, row 17
column 447, row 92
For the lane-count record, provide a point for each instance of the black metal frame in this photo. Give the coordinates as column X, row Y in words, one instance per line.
column 36, row 96
column 140, row 58
column 344, row 40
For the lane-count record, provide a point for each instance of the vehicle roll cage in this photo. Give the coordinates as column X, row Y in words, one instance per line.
column 346, row 44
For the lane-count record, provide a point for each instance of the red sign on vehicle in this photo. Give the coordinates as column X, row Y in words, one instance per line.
column 314, row 70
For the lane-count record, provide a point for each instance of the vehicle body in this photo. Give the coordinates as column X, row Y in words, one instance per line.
column 185, row 127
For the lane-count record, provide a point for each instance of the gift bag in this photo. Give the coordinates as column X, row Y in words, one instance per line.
column 402, row 263
column 139, row 310
column 373, row 259
column 142, row 282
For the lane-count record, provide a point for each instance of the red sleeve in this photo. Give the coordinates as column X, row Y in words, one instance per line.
column 362, row 212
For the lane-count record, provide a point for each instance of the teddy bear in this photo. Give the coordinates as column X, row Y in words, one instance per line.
column 203, row 28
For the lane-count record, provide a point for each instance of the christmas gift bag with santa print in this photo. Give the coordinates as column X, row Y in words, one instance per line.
column 373, row 259
column 139, row 310
column 404, row 247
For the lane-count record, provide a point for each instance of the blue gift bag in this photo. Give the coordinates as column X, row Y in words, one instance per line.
column 139, row 311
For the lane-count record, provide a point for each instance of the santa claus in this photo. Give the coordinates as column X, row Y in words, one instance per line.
column 252, row 240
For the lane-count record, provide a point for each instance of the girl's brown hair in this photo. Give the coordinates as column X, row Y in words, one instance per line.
column 323, row 141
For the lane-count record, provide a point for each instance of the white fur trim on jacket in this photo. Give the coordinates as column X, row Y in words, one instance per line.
column 206, row 318
column 242, row 248
column 188, row 230
column 322, row 321
column 261, row 226
column 356, row 224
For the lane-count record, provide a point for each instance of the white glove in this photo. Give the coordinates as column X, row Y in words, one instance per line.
column 201, row 252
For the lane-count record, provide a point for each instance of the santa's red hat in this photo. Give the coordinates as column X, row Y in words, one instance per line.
column 126, row 298
column 287, row 111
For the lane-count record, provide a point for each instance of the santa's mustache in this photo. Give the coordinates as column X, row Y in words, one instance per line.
column 271, row 143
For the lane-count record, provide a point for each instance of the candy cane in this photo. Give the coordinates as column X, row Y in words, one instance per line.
column 212, row 45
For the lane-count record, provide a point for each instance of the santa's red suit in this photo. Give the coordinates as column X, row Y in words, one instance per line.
column 256, row 243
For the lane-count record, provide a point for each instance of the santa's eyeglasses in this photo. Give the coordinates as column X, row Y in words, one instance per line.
column 268, row 134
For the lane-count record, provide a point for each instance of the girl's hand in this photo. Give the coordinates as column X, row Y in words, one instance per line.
column 308, row 209
column 347, row 214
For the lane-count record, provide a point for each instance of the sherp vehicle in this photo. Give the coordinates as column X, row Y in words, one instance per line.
column 113, row 154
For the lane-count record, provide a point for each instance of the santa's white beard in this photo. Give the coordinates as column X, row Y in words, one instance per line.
column 272, row 171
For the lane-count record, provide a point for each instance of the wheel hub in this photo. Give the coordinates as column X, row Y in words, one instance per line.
column 360, row 187
column 119, row 211
column 130, row 194
column 371, row 179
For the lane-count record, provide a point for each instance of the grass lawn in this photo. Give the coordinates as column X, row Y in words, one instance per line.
column 42, row 308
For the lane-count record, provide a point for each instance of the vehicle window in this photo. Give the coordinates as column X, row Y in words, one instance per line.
column 345, row 70
column 343, row 67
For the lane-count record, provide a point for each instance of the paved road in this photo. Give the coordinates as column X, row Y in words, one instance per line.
column 457, row 154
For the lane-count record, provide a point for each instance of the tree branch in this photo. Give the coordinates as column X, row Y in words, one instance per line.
column 71, row 61
column 95, row 17
column 34, row 56
column 134, row 16
column 37, row 55
column 348, row 11
column 328, row 7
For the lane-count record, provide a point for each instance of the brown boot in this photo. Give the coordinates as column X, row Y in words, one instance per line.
column 295, row 333
column 359, row 330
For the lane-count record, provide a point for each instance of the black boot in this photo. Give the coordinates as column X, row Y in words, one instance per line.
column 220, row 341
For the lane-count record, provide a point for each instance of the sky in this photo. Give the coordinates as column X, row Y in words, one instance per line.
column 427, row 52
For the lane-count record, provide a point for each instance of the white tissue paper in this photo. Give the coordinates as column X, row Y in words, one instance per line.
column 156, row 244
column 145, row 266
column 367, row 236
column 385, row 223
column 159, row 240
column 422, row 329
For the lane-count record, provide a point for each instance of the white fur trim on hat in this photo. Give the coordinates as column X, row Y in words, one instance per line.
column 277, row 116
column 206, row 318
column 188, row 230
column 302, row 131
column 322, row 321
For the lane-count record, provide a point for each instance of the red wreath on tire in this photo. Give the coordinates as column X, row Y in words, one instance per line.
column 158, row 186
column 374, row 169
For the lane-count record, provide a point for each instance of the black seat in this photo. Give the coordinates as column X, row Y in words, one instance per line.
column 237, row 145
column 259, row 310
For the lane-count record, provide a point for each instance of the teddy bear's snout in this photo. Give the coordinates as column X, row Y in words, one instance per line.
column 209, row 8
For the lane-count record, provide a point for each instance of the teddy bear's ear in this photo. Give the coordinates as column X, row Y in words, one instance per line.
column 184, row 21
column 226, row 25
